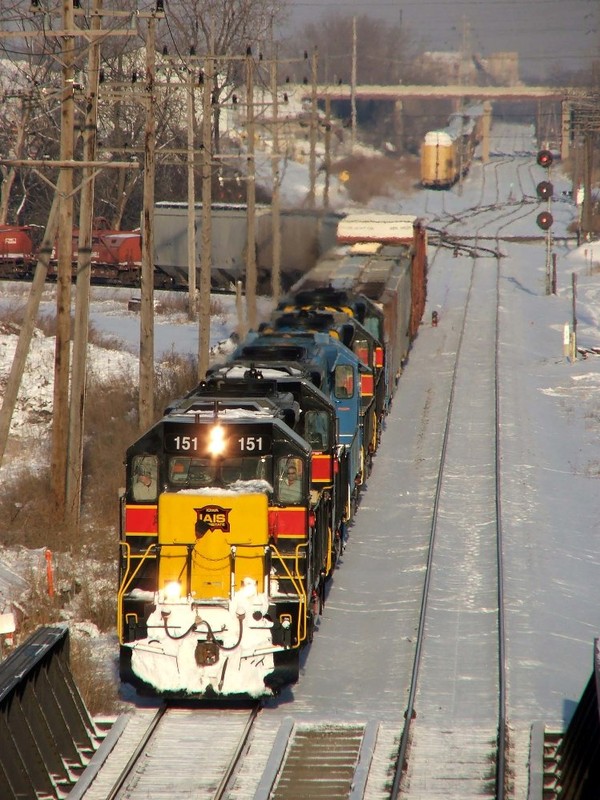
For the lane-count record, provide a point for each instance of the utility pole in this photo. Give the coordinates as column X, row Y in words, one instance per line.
column 588, row 200
column 276, row 198
column 250, row 195
column 312, row 168
column 206, row 252
column 82, row 292
column 486, row 122
column 327, row 151
column 146, row 382
column 353, row 89
column 191, row 194
column 60, row 432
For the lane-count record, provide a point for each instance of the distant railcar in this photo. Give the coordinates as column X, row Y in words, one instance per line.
column 116, row 256
column 447, row 154
column 305, row 235
column 17, row 251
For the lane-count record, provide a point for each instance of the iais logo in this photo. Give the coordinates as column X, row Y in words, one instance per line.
column 209, row 518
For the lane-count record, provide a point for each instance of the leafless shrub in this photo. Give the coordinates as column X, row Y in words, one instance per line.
column 97, row 688
column 27, row 511
column 179, row 303
column 178, row 375
column 96, row 606
column 172, row 303
column 377, row 176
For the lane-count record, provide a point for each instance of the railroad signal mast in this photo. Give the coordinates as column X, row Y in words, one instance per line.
column 544, row 219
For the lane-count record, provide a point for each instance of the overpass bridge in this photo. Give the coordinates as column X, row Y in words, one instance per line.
column 395, row 94
column 468, row 92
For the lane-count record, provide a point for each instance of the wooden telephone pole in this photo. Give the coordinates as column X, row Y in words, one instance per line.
column 206, row 252
column 82, row 292
column 276, row 197
column 60, row 431
column 146, row 396
column 312, row 158
column 250, row 195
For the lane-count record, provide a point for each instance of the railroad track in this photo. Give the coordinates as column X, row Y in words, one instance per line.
column 459, row 671
column 171, row 753
column 195, row 752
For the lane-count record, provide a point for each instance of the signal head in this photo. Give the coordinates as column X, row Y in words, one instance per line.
column 544, row 190
column 544, row 220
column 545, row 158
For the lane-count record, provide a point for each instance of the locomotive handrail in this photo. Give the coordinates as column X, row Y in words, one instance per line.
column 126, row 583
column 302, row 597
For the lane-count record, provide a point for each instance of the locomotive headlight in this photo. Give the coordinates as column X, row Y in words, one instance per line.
column 216, row 440
column 172, row 591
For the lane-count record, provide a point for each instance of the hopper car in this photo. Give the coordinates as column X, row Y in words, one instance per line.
column 116, row 256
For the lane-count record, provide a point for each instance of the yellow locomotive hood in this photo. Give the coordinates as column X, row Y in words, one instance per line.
column 211, row 542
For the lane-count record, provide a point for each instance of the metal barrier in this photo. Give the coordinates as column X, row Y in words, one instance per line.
column 572, row 766
column 47, row 734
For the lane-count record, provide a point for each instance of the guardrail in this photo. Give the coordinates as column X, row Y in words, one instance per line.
column 47, row 734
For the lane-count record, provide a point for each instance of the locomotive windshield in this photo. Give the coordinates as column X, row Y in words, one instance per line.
column 193, row 473
column 316, row 429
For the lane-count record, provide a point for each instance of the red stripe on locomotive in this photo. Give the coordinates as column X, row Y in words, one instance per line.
column 366, row 385
column 287, row 522
column 141, row 519
column 321, row 467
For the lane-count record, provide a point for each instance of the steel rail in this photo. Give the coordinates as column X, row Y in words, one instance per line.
column 501, row 739
column 128, row 768
column 409, row 713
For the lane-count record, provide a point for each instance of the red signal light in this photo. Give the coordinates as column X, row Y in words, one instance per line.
column 544, row 220
column 545, row 158
column 544, row 190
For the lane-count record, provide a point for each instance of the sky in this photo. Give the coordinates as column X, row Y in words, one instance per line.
column 551, row 457
column 546, row 33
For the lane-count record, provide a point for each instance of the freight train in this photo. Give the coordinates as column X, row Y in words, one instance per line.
column 446, row 154
column 237, row 501
column 116, row 257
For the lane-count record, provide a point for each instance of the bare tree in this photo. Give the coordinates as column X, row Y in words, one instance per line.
column 224, row 29
column 30, row 110
column 30, row 114
column 384, row 51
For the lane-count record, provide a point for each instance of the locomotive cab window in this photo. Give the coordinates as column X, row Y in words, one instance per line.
column 372, row 325
column 344, row 381
column 316, row 429
column 191, row 472
column 361, row 350
column 290, row 490
column 144, row 487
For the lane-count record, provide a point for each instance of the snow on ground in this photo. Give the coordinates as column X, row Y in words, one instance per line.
column 570, row 388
